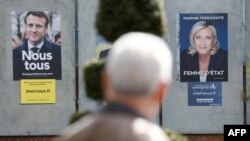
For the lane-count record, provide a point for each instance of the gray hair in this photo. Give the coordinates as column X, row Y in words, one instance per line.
column 197, row 27
column 138, row 63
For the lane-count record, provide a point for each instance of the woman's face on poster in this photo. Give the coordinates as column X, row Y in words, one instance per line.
column 203, row 41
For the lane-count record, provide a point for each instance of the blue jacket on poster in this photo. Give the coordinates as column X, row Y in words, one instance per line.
column 217, row 68
column 43, row 65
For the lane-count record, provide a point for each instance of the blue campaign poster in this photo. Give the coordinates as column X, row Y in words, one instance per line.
column 204, row 94
column 203, row 47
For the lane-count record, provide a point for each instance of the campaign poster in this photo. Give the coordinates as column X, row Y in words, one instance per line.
column 204, row 94
column 203, row 47
column 38, row 91
column 36, row 45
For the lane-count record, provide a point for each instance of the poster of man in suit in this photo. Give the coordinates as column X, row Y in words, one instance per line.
column 36, row 56
column 203, row 40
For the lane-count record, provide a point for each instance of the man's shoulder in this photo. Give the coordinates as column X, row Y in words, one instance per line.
column 19, row 48
column 150, row 130
column 134, row 127
column 51, row 45
column 77, row 127
column 114, row 126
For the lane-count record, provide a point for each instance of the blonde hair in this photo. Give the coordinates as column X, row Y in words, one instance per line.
column 16, row 40
column 197, row 27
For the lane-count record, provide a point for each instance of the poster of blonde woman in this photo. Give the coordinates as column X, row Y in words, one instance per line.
column 203, row 47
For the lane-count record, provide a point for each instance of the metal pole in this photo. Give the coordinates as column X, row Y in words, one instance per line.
column 76, row 59
column 244, row 62
column 160, row 115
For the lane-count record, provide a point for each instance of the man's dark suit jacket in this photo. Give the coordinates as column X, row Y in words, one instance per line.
column 218, row 62
column 50, row 51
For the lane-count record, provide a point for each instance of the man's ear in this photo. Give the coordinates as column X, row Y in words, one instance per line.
column 105, row 82
column 161, row 92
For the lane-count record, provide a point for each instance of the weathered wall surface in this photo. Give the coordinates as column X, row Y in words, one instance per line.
column 206, row 119
column 50, row 119
column 46, row 119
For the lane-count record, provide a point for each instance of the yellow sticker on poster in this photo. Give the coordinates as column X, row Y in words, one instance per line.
column 38, row 91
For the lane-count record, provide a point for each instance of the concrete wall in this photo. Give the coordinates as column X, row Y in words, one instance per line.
column 206, row 119
column 50, row 119
column 87, row 47
column 248, row 53
column 47, row 119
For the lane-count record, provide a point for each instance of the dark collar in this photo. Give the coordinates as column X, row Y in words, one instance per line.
column 120, row 108
column 46, row 44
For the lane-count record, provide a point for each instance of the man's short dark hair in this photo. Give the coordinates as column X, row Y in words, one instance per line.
column 39, row 14
column 57, row 36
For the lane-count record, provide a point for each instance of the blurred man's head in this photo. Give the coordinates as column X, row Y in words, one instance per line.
column 139, row 69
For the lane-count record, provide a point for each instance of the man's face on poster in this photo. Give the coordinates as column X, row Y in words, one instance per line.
column 35, row 29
